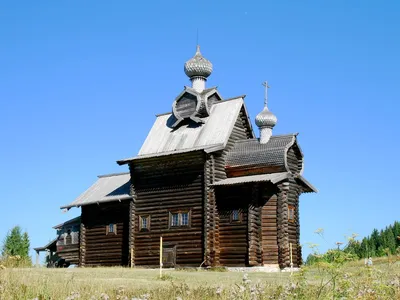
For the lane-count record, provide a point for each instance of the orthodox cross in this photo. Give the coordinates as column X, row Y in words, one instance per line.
column 265, row 83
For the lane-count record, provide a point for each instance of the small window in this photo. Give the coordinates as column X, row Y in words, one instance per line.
column 111, row 228
column 68, row 237
column 236, row 216
column 175, row 220
column 185, row 219
column 291, row 216
column 179, row 219
column 144, row 223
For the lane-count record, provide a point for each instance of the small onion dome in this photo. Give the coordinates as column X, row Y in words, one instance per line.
column 266, row 119
column 198, row 66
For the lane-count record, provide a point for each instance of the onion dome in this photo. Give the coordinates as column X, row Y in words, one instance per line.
column 266, row 119
column 198, row 66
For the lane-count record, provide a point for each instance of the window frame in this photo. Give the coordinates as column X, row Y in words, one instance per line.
column 232, row 220
column 114, row 228
column 180, row 214
column 291, row 213
column 147, row 218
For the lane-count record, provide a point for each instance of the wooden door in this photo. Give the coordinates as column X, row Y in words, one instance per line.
column 169, row 256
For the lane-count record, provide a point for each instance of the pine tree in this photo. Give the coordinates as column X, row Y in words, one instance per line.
column 16, row 243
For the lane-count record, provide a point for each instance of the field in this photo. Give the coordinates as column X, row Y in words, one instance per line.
column 324, row 281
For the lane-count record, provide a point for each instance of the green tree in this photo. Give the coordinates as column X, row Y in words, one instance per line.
column 16, row 243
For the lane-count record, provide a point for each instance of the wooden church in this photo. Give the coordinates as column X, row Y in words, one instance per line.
column 217, row 195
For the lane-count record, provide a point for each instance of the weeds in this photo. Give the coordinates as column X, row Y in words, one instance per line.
column 322, row 281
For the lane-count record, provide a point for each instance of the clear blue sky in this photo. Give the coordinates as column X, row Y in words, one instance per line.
column 81, row 81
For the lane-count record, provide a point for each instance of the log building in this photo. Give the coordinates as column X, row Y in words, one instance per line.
column 217, row 195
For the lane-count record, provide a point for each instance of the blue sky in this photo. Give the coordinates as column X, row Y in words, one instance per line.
column 80, row 83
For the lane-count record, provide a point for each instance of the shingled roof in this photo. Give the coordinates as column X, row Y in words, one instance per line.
column 252, row 153
column 107, row 188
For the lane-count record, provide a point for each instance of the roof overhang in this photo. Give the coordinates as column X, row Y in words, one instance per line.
column 107, row 188
column 210, row 149
column 71, row 221
column 49, row 245
column 103, row 200
column 273, row 178
column 307, row 187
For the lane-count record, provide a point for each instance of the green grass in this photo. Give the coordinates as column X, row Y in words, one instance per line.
column 325, row 281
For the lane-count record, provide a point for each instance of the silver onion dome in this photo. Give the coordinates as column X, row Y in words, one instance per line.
column 266, row 119
column 198, row 66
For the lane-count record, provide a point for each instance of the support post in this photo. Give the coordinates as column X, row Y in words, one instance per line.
column 161, row 252
column 37, row 259
column 291, row 258
column 131, row 258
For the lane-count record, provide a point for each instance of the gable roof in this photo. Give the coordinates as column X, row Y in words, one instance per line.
column 107, row 188
column 252, row 153
column 71, row 221
column 213, row 135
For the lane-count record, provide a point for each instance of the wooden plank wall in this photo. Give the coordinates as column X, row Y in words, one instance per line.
column 69, row 252
column 167, row 184
column 240, row 131
column 101, row 248
column 68, row 249
column 269, row 230
column 233, row 241
column 294, row 159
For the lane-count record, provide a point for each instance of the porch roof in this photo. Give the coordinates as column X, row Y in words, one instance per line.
column 51, row 244
column 273, row 178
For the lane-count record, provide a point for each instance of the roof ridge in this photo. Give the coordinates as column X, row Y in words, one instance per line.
column 112, row 174
column 285, row 134
column 230, row 99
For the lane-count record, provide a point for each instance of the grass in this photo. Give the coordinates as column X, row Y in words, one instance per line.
column 323, row 281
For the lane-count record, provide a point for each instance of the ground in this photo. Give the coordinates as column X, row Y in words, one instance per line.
column 353, row 280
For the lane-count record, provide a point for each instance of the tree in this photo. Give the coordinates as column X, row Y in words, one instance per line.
column 16, row 243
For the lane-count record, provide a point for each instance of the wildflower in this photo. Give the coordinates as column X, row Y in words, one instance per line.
column 218, row 291
column 145, row 296
column 245, row 279
column 104, row 296
column 241, row 288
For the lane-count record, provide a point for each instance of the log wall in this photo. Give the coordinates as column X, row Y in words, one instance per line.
column 100, row 248
column 270, row 230
column 294, row 159
column 68, row 242
column 233, row 240
column 254, row 229
column 69, row 252
column 163, row 185
column 294, row 226
column 216, row 172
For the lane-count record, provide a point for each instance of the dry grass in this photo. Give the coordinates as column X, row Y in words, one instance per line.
column 354, row 280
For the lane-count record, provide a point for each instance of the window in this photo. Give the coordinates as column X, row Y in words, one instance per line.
column 235, row 215
column 111, row 229
column 144, row 223
column 185, row 219
column 68, row 237
column 179, row 219
column 291, row 216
